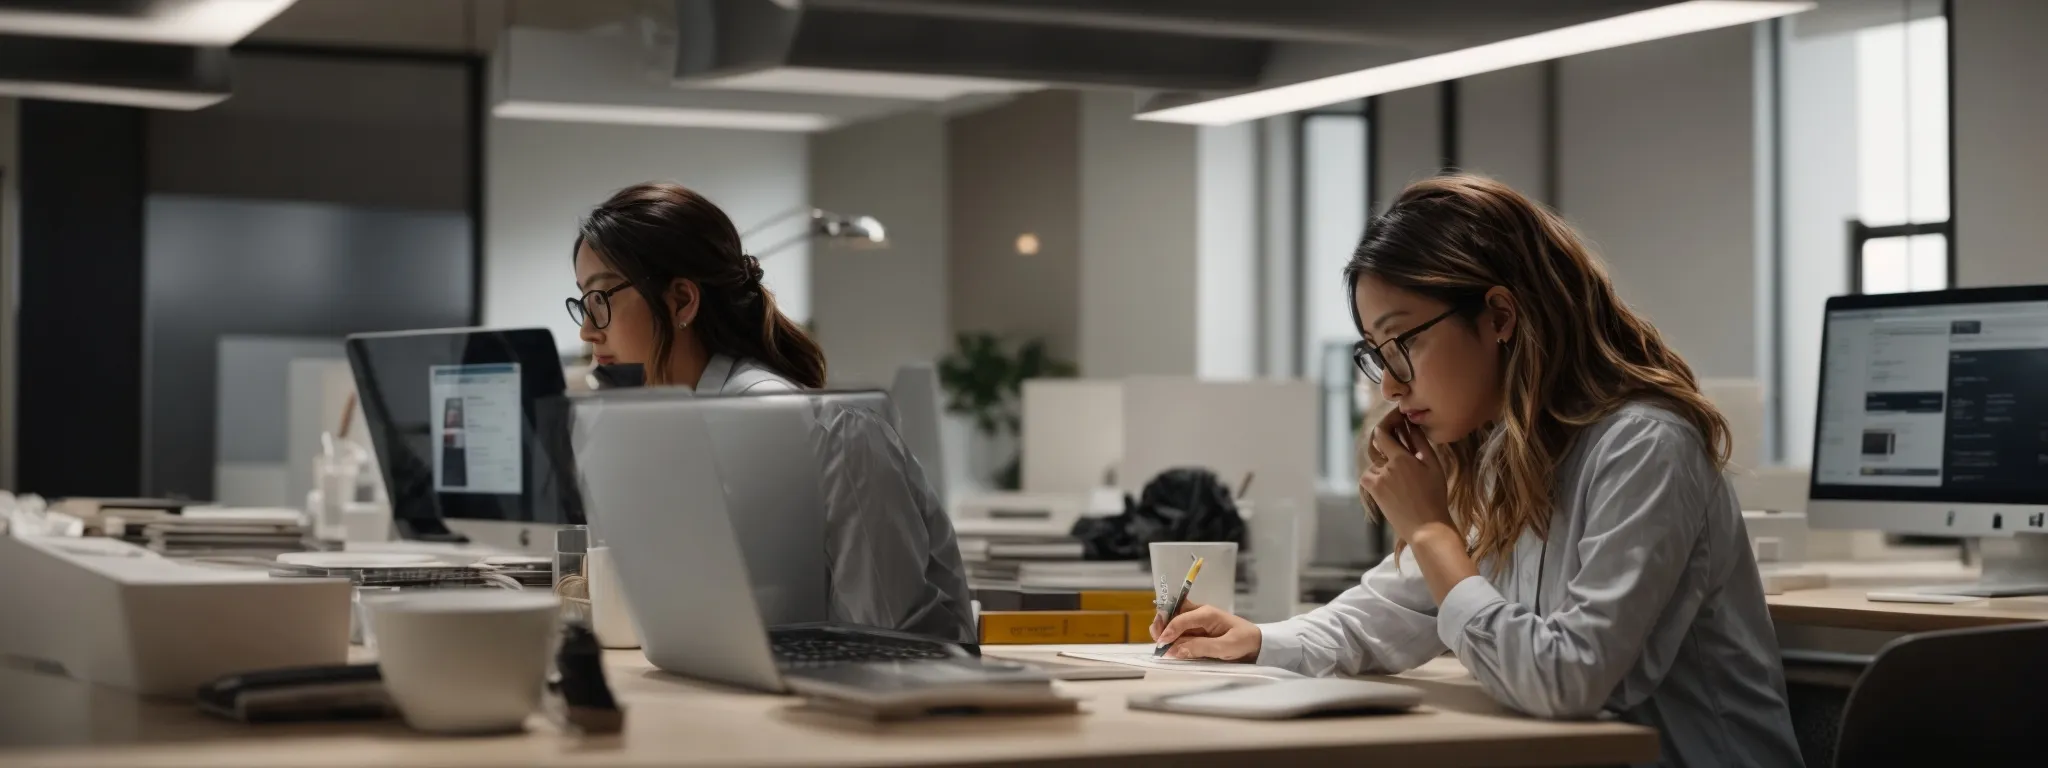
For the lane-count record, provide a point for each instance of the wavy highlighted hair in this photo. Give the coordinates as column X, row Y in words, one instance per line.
column 1577, row 354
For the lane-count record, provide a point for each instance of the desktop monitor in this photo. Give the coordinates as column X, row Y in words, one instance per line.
column 470, row 433
column 1932, row 415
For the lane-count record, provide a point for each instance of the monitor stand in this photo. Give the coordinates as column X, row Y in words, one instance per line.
column 2013, row 567
column 428, row 530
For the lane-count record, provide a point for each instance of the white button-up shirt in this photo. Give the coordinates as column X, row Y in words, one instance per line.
column 1645, row 603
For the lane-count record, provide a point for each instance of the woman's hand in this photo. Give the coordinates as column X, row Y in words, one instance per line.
column 1407, row 483
column 1203, row 632
column 1409, row 487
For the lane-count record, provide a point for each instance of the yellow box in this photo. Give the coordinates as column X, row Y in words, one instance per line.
column 1121, row 600
column 1044, row 627
column 1140, row 629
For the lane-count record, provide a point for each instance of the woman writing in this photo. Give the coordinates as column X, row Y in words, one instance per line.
column 666, row 284
column 1554, row 477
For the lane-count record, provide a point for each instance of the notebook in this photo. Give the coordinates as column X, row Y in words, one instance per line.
column 1145, row 659
column 1282, row 699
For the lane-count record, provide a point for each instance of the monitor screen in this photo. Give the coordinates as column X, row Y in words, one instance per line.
column 463, row 427
column 1938, row 397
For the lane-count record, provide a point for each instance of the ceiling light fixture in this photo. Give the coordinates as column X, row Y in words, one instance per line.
column 181, row 22
column 1641, row 26
column 682, row 117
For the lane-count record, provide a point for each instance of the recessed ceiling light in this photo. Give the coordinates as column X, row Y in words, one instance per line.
column 146, row 98
column 1641, row 26
column 183, row 22
column 884, row 85
column 626, row 114
column 1027, row 244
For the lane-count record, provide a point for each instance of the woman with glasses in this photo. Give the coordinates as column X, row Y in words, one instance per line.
column 664, row 283
column 1555, row 480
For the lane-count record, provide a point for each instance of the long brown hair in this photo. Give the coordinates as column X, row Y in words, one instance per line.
column 654, row 234
column 1577, row 354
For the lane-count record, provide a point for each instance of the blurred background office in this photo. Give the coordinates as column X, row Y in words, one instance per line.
column 194, row 194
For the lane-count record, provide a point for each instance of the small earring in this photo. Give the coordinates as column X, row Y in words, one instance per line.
column 685, row 325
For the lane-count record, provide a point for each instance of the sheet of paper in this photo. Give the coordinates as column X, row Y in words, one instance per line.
column 1146, row 660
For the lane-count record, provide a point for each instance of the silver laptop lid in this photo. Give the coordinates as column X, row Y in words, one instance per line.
column 713, row 510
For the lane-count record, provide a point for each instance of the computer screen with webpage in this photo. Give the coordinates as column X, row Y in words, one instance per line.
column 1943, row 402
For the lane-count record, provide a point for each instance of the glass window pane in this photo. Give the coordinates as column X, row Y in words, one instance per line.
column 1334, row 213
column 1927, row 257
column 1902, row 122
column 1885, row 266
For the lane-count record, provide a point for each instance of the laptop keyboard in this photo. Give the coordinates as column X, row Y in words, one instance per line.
column 811, row 648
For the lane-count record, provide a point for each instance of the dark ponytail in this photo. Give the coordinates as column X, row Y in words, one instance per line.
column 654, row 234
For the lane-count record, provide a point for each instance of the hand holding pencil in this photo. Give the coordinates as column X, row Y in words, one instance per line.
column 1188, row 631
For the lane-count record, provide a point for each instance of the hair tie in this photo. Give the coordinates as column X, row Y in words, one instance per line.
column 753, row 267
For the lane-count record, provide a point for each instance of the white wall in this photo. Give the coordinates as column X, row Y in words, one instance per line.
column 1655, row 164
column 1277, row 262
column 876, row 310
column 2001, row 118
column 1139, row 235
column 1819, row 152
column 542, row 177
column 1227, row 252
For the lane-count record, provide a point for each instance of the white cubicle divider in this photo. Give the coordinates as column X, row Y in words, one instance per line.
column 1073, row 435
column 1741, row 402
column 1266, row 429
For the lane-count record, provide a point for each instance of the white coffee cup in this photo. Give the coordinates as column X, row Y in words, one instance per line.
column 1217, row 584
column 465, row 661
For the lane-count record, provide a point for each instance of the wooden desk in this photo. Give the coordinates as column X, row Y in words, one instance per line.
column 1849, row 609
column 56, row 722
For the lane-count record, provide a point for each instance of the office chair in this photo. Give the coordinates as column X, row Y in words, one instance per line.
column 1976, row 697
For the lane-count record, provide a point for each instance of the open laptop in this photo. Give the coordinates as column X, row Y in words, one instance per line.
column 714, row 511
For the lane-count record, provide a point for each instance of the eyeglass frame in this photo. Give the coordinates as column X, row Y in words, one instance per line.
column 1360, row 349
column 575, row 304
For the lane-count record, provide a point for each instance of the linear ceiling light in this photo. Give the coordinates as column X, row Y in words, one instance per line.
column 625, row 114
column 1641, row 26
column 183, row 22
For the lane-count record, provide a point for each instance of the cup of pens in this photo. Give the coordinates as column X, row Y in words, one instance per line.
column 1215, row 585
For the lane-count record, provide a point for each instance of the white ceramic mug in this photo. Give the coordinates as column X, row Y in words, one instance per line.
column 1217, row 584
column 468, row 660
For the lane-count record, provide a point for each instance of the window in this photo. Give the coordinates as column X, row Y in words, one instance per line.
column 1332, row 166
column 1863, row 188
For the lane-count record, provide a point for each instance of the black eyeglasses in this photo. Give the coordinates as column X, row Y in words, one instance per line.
column 596, row 305
column 1373, row 361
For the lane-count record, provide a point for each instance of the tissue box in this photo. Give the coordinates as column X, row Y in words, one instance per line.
column 118, row 615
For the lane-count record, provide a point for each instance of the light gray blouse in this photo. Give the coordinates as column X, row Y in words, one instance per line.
column 1644, row 603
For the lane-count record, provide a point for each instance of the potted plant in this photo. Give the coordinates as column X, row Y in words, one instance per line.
column 984, row 379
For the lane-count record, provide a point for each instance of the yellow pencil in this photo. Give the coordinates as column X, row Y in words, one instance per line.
column 1174, row 610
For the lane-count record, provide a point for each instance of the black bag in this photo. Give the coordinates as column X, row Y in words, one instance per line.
column 1185, row 504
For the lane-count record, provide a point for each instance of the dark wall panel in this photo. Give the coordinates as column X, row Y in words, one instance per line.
column 223, row 266
column 81, row 308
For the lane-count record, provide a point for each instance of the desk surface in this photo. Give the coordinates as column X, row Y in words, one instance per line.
column 53, row 721
column 1849, row 609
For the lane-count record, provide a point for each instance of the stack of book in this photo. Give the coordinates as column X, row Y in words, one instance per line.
column 221, row 533
column 1033, row 616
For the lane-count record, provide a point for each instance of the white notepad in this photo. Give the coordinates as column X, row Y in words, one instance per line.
column 1144, row 659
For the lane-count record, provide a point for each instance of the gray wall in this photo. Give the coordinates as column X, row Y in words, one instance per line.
column 542, row 177
column 220, row 267
column 2001, row 119
column 1501, row 128
column 351, row 131
column 1139, row 242
column 1010, row 170
column 876, row 310
column 1409, row 136
column 1656, row 165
